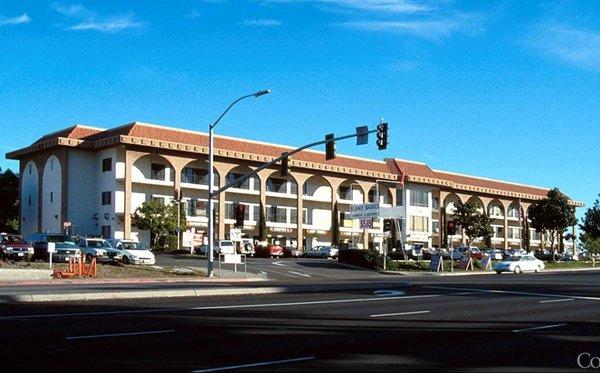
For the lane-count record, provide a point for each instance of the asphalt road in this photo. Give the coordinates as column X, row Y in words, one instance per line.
column 280, row 269
column 510, row 322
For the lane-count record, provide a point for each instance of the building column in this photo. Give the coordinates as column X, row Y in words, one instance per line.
column 505, row 229
column 127, row 196
column 299, row 215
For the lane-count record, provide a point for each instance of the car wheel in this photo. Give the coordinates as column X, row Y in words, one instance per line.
column 538, row 269
column 125, row 259
column 324, row 256
column 89, row 257
column 499, row 272
column 517, row 269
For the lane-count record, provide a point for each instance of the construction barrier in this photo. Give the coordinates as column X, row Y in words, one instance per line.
column 78, row 268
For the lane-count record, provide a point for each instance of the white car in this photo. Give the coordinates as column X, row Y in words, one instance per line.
column 495, row 254
column 132, row 252
column 322, row 252
column 518, row 264
column 225, row 247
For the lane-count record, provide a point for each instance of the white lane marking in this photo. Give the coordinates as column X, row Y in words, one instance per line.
column 399, row 313
column 557, row 300
column 255, row 364
column 514, row 292
column 279, row 264
column 265, row 305
column 387, row 293
column 299, row 274
column 538, row 328
column 119, row 334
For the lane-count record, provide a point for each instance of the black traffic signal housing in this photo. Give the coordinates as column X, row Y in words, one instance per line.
column 329, row 147
column 240, row 211
column 451, row 230
column 387, row 225
column 284, row 171
column 382, row 136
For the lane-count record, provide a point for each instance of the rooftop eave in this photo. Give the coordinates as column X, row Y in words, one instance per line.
column 57, row 141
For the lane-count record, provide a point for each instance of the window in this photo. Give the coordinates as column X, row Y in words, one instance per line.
column 293, row 216
column 276, row 185
column 161, row 200
column 196, row 207
column 309, row 189
column 306, row 217
column 536, row 236
column 106, row 164
column 436, row 203
column 419, row 198
column 435, row 226
column 419, row 224
column 512, row 212
column 52, row 164
column 256, row 213
column 106, row 198
column 399, row 197
column 51, row 197
column 157, row 171
column 29, row 200
column 276, row 214
column 495, row 210
column 373, row 196
column 194, row 176
column 243, row 185
column 345, row 193
column 29, row 169
column 106, row 231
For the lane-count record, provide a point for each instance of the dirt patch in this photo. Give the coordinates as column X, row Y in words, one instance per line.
column 116, row 270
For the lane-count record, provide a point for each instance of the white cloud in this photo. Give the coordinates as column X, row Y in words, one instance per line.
column 577, row 47
column 385, row 6
column 262, row 23
column 18, row 20
column 85, row 19
column 430, row 28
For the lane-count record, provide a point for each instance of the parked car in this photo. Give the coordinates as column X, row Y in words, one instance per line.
column 65, row 251
column 546, row 255
column 518, row 264
column 202, row 250
column 15, row 248
column 269, row 251
column 429, row 252
column 246, row 246
column 476, row 253
column 322, row 252
column 39, row 241
column 291, row 252
column 495, row 254
column 225, row 247
column 459, row 252
column 514, row 252
column 95, row 248
column 131, row 252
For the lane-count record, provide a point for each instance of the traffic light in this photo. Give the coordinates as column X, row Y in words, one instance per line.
column 329, row 147
column 240, row 211
column 451, row 228
column 387, row 225
column 382, row 136
column 284, row 166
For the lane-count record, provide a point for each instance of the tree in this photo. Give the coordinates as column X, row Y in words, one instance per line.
column 158, row 218
column 9, row 200
column 474, row 223
column 590, row 225
column 552, row 216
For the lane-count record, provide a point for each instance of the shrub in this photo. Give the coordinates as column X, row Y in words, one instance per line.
column 365, row 258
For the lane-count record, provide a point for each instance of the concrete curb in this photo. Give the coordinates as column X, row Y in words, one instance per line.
column 171, row 293
column 472, row 273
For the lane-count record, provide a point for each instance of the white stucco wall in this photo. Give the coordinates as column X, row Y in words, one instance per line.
column 418, row 211
column 29, row 199
column 51, row 195
column 106, row 183
column 81, row 201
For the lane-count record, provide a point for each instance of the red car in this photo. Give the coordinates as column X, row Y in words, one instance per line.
column 476, row 253
column 271, row 251
column 13, row 247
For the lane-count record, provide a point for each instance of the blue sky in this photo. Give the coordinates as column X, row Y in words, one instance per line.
column 507, row 90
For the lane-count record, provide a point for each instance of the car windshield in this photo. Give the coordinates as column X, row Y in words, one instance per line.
column 12, row 240
column 98, row 244
column 226, row 243
column 65, row 245
column 133, row 246
column 513, row 259
column 58, row 238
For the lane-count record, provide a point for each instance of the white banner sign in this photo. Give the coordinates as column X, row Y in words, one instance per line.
column 363, row 211
column 235, row 234
column 396, row 212
column 232, row 259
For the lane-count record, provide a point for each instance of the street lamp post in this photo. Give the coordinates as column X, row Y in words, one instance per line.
column 211, row 235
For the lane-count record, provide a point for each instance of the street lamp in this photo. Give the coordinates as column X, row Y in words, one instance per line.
column 211, row 235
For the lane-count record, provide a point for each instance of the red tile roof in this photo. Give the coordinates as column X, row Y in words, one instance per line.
column 75, row 132
column 492, row 184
